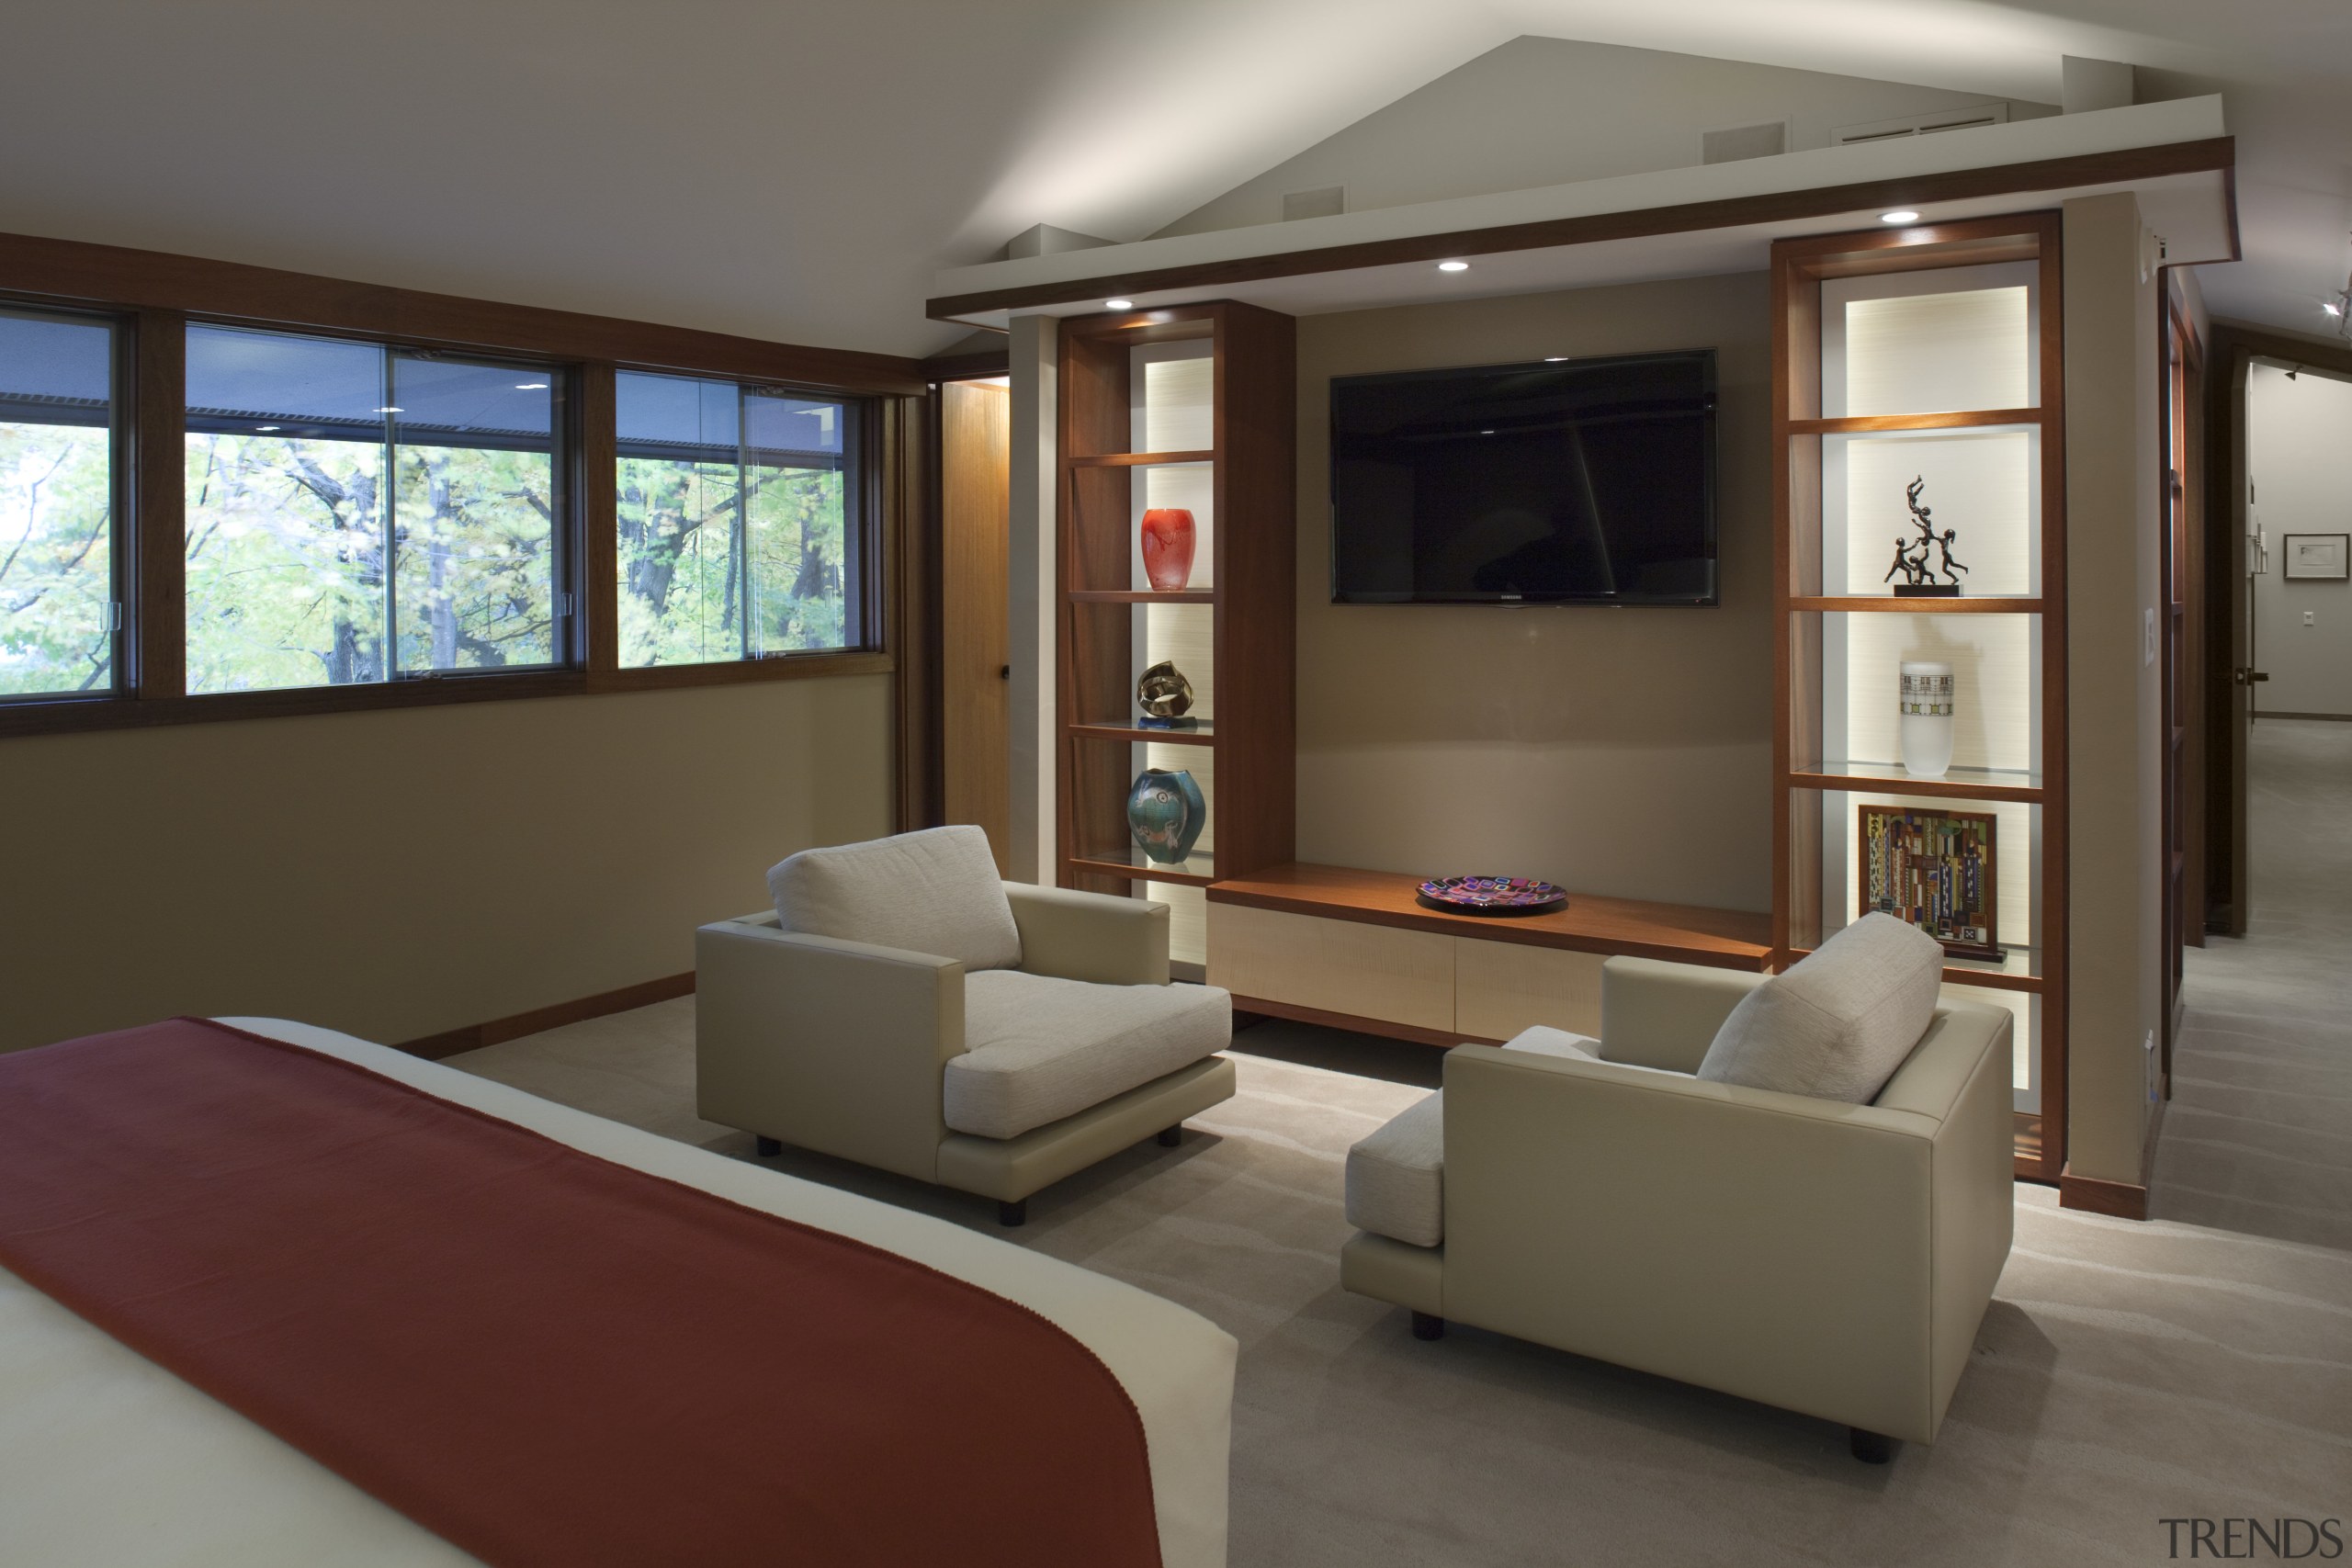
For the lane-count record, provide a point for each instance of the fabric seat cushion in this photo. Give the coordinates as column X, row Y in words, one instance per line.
column 1396, row 1178
column 935, row 892
column 1837, row 1024
column 1038, row 1049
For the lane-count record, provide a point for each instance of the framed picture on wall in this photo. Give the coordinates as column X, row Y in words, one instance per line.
column 1934, row 868
column 2321, row 555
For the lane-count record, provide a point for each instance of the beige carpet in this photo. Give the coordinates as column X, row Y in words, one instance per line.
column 2258, row 1136
column 2128, row 1372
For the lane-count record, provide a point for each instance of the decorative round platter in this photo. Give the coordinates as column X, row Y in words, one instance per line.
column 1492, row 896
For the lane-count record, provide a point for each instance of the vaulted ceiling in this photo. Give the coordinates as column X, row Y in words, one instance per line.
column 798, row 171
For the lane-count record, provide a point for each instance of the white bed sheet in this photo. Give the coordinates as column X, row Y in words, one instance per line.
column 105, row 1460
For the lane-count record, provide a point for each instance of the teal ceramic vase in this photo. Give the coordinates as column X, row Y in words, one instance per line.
column 1166, row 813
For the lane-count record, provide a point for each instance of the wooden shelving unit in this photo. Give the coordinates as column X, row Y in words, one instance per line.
column 1141, row 392
column 1835, row 635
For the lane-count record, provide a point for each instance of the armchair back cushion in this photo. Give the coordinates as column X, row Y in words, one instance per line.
column 1837, row 1024
column 934, row 892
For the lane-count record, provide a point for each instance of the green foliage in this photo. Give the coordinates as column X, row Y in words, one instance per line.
column 683, row 578
column 56, row 558
column 286, row 561
column 288, row 557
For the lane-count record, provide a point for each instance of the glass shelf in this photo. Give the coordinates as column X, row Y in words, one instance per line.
column 2021, row 971
column 1967, row 784
column 1874, row 604
column 1199, row 868
column 1140, row 596
column 1204, row 735
column 1139, row 459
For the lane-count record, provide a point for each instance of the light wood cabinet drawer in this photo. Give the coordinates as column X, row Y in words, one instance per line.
column 1501, row 987
column 1344, row 966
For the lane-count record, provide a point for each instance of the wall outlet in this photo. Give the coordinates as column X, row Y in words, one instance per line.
column 2307, row 619
column 2148, row 636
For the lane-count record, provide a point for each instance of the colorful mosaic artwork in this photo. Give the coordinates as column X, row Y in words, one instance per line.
column 1934, row 869
column 1492, row 896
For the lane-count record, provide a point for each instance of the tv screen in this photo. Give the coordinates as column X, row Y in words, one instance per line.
column 1580, row 481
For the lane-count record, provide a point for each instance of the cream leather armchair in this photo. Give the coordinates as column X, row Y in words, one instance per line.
column 1826, row 1257
column 875, row 1054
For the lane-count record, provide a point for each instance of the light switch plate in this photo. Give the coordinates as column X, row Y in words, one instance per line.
column 2148, row 638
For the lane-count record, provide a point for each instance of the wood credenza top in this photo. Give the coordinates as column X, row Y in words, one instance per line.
column 1682, row 933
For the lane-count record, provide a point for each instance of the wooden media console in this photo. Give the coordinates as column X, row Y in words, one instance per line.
column 1358, row 950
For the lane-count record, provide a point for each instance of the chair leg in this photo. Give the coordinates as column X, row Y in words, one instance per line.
column 768, row 1146
column 1015, row 1212
column 1171, row 1136
column 1870, row 1448
column 1427, row 1326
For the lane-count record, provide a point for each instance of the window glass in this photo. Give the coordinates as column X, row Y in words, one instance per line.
column 736, row 537
column 358, row 514
column 57, row 607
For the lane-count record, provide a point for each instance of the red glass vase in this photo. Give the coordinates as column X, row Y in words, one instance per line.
column 1167, row 548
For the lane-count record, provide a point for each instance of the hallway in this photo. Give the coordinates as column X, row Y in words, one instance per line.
column 2258, row 1136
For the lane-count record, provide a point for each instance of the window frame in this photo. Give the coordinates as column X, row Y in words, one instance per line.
column 566, row 577
column 151, row 298
column 122, row 452
column 866, row 519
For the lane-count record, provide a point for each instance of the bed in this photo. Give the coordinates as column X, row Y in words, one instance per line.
column 110, row 1460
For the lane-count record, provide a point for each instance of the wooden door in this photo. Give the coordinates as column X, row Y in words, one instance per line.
column 975, row 638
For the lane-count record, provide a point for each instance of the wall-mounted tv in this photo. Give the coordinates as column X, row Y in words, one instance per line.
column 1573, row 481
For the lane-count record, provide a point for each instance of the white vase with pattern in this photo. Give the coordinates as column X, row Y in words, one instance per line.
column 1927, row 698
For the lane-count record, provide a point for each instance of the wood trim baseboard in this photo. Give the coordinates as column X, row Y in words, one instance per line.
column 474, row 1036
column 1380, row 1026
column 2118, row 1200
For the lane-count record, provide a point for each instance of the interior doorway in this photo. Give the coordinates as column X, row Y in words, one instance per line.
column 975, row 654
column 2279, row 612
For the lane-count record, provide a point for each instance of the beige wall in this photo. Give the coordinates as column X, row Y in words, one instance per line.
column 1617, row 751
column 397, row 874
column 2298, row 465
column 2112, row 523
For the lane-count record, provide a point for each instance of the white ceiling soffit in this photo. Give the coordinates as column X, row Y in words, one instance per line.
column 2191, row 210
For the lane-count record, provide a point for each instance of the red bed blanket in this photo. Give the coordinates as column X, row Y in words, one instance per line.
column 542, row 1357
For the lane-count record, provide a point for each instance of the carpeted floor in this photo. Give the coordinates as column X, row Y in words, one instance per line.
column 2258, row 1136
column 2198, row 1365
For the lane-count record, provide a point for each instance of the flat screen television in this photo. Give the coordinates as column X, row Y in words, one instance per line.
column 1577, row 481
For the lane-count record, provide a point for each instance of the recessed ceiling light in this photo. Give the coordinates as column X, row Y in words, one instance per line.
column 1901, row 215
column 530, row 386
column 1453, row 266
column 1485, row 432
column 1555, row 358
column 1118, row 304
column 264, row 427
column 2331, row 307
column 389, row 409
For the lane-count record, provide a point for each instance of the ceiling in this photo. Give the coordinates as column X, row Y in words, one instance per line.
column 798, row 171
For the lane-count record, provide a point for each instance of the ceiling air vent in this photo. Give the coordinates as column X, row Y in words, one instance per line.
column 1922, row 124
column 1328, row 202
column 1767, row 141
